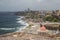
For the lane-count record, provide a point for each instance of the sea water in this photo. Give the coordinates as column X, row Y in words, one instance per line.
column 11, row 23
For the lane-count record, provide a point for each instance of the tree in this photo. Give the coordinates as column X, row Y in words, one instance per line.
column 51, row 19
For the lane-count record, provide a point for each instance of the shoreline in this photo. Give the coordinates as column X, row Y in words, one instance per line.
column 24, row 22
column 23, row 33
column 20, row 20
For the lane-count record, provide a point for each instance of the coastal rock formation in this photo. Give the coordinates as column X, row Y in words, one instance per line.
column 26, row 36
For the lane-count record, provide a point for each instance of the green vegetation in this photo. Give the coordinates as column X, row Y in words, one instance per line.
column 33, row 15
column 51, row 19
column 30, row 26
column 42, row 16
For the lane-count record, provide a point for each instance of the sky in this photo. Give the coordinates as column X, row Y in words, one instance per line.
column 19, row 5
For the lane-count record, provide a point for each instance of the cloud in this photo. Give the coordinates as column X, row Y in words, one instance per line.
column 17, row 5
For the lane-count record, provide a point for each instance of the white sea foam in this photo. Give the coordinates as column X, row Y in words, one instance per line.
column 21, row 22
column 7, row 28
column 21, row 28
column 19, row 18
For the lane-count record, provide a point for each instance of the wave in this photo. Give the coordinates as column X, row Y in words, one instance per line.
column 6, row 29
column 21, row 22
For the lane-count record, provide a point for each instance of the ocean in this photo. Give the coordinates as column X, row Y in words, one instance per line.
column 11, row 23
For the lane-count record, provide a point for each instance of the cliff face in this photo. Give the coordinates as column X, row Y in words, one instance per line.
column 26, row 36
column 52, row 27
